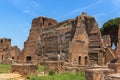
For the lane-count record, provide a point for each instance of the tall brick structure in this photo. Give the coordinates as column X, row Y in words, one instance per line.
column 33, row 46
column 76, row 40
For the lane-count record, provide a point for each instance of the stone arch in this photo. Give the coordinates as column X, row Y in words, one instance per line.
column 86, row 60
column 49, row 24
column 79, row 60
column 13, row 57
column 2, row 57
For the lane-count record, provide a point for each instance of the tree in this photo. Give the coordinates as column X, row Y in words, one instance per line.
column 111, row 28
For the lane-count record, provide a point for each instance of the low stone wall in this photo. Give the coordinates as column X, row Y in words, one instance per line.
column 75, row 68
column 98, row 74
column 57, row 66
column 115, row 67
column 24, row 69
column 113, row 77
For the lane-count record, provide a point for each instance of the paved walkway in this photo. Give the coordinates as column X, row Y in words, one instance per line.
column 11, row 76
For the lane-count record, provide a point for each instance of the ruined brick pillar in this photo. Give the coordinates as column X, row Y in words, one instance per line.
column 118, row 46
column 100, row 58
column 79, row 44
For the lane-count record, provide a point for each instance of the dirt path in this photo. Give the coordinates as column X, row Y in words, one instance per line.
column 11, row 76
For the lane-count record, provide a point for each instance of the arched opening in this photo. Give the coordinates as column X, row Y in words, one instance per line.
column 28, row 58
column 12, row 57
column 49, row 24
column 2, row 57
column 79, row 60
column 86, row 60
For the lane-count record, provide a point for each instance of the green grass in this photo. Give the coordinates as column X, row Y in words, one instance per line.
column 41, row 68
column 64, row 76
column 4, row 68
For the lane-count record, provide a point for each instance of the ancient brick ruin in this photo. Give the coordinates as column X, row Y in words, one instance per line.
column 25, row 69
column 112, row 71
column 7, row 52
column 77, row 41
column 73, row 45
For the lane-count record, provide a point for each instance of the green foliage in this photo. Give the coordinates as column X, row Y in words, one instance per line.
column 51, row 72
column 41, row 68
column 4, row 68
column 110, row 26
column 63, row 76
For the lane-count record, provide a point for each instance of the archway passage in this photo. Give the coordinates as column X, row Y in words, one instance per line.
column 86, row 60
column 2, row 57
column 28, row 58
column 12, row 57
column 79, row 60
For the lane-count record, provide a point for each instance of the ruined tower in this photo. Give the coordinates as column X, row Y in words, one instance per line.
column 33, row 47
column 7, row 52
column 76, row 40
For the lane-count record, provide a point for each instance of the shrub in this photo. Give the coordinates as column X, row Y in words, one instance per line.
column 51, row 72
column 41, row 68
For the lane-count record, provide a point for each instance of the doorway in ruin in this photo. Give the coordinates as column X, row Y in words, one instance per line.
column 79, row 60
column 2, row 57
column 12, row 57
column 93, row 57
column 85, row 60
column 28, row 58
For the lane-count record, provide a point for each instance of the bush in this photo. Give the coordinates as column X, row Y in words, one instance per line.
column 41, row 68
column 51, row 72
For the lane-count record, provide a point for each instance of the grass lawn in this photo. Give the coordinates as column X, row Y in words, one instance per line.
column 41, row 68
column 4, row 68
column 63, row 76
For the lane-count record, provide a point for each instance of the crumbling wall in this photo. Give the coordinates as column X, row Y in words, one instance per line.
column 7, row 52
column 33, row 47
column 57, row 39
column 24, row 69
column 72, row 40
column 97, row 74
column 110, row 54
column 79, row 44
column 56, row 66
column 96, row 53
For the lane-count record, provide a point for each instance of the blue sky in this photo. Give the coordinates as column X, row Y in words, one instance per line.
column 16, row 15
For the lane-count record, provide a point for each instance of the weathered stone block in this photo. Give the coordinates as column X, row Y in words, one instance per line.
column 113, row 77
column 57, row 66
column 97, row 74
column 24, row 69
column 115, row 67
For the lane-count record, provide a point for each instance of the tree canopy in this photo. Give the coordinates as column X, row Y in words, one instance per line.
column 110, row 26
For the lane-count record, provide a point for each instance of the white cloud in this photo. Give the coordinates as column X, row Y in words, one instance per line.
column 100, row 14
column 35, row 5
column 27, row 11
column 87, row 7
column 26, row 6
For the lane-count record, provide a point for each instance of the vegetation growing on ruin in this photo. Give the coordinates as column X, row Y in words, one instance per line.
column 4, row 68
column 41, row 68
column 111, row 28
column 63, row 76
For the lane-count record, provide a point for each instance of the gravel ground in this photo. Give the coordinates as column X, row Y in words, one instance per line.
column 11, row 76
